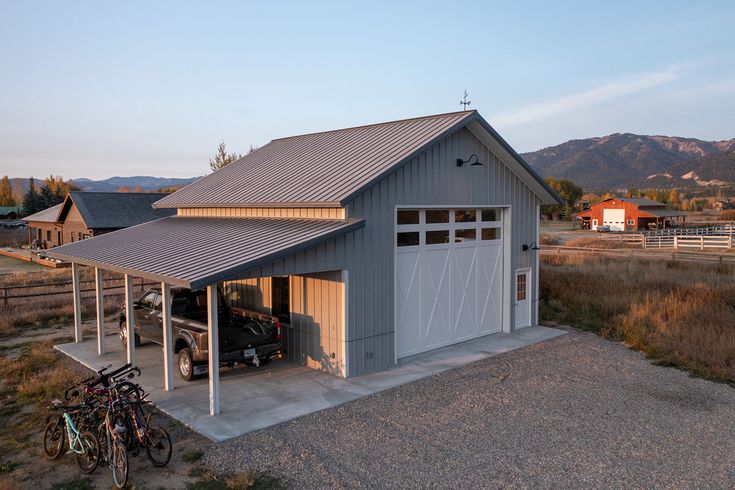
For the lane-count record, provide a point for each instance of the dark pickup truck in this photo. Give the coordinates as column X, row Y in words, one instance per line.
column 245, row 336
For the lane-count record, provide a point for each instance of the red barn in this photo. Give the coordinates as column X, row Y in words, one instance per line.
column 628, row 213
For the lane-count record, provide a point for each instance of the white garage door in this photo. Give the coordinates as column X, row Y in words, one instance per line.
column 449, row 265
column 615, row 218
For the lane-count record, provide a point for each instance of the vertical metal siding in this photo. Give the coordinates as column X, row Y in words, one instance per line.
column 432, row 178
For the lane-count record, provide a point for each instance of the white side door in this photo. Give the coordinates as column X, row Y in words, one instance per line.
column 523, row 298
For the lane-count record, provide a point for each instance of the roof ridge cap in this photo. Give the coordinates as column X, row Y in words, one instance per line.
column 467, row 113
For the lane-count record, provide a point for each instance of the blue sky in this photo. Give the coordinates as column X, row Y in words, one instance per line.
column 96, row 89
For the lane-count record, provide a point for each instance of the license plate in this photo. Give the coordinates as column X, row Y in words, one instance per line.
column 202, row 369
column 248, row 353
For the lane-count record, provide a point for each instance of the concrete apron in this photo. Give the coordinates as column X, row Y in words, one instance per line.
column 254, row 398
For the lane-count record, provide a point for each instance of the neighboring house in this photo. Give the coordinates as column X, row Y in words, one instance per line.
column 86, row 214
column 629, row 213
column 43, row 231
column 722, row 205
column 9, row 212
column 371, row 243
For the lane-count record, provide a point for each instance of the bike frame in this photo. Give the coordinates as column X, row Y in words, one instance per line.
column 75, row 441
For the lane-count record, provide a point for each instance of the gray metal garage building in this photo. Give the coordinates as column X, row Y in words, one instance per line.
column 372, row 243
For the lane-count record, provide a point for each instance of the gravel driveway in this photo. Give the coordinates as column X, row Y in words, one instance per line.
column 576, row 411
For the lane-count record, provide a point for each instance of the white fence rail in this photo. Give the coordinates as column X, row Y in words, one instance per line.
column 712, row 238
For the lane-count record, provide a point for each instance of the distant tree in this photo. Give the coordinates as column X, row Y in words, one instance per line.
column 591, row 198
column 222, row 158
column 634, row 192
column 6, row 192
column 123, row 188
column 570, row 194
column 169, row 189
column 673, row 199
column 46, row 197
column 31, row 198
column 137, row 188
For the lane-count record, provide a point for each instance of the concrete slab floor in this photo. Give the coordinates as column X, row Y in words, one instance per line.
column 254, row 398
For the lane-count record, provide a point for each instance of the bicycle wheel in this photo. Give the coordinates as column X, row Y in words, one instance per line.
column 53, row 439
column 158, row 446
column 119, row 464
column 89, row 458
column 129, row 391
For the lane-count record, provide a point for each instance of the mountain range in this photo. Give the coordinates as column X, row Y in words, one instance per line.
column 144, row 182
column 625, row 160
column 607, row 163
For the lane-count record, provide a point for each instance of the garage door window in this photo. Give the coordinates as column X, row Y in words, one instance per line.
column 438, row 236
column 465, row 235
column 436, row 227
column 437, row 216
column 465, row 215
column 489, row 215
column 407, row 239
column 408, row 217
column 491, row 233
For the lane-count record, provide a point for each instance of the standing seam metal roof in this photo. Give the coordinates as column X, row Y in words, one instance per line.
column 195, row 252
column 317, row 169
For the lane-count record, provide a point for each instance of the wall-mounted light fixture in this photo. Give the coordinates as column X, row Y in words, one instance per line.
column 477, row 163
column 532, row 246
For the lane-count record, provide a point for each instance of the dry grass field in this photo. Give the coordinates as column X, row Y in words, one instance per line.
column 679, row 313
column 44, row 311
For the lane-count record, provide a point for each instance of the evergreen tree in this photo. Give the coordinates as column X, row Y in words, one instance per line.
column 222, row 158
column 6, row 192
column 46, row 197
column 31, row 198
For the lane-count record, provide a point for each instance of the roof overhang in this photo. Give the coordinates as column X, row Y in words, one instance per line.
column 196, row 252
column 659, row 213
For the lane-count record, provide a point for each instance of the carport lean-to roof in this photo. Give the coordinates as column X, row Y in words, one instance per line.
column 190, row 252
column 196, row 252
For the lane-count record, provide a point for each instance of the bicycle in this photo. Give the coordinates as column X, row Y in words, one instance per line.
column 154, row 438
column 83, row 444
column 115, row 452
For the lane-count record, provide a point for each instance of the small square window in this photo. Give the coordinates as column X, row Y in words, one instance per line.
column 469, row 235
column 521, row 287
column 437, row 216
column 407, row 239
column 465, row 215
column 408, row 217
column 435, row 237
column 491, row 233
column 489, row 215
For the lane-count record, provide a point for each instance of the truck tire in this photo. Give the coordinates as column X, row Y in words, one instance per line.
column 186, row 364
column 123, row 334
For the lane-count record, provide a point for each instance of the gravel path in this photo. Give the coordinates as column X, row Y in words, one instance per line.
column 577, row 411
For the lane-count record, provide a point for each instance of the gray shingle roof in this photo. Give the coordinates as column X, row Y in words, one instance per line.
column 46, row 216
column 326, row 169
column 118, row 209
column 195, row 252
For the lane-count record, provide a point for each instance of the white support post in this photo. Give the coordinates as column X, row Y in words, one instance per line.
column 168, row 354
column 99, row 295
column 130, row 318
column 77, row 302
column 213, row 348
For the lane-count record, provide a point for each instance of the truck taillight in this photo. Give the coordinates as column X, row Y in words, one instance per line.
column 278, row 331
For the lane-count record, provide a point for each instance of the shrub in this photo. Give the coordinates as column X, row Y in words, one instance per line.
column 728, row 215
column 546, row 239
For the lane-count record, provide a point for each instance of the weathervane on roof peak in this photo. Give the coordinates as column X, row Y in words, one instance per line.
column 464, row 102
